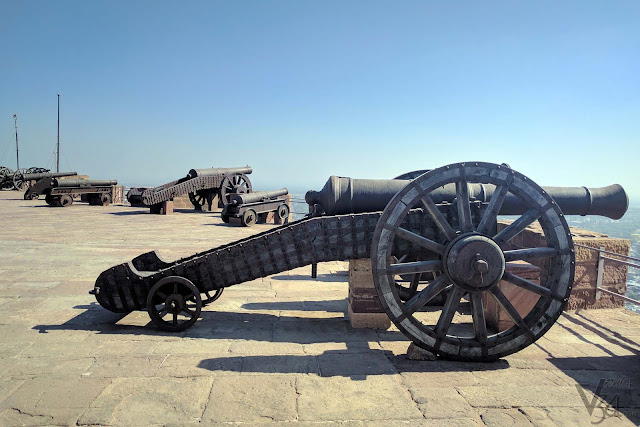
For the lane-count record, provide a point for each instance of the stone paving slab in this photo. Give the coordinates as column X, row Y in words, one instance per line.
column 278, row 349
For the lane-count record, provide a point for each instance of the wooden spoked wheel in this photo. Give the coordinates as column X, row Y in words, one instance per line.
column 199, row 199
column 174, row 304
column 19, row 182
column 234, row 184
column 469, row 261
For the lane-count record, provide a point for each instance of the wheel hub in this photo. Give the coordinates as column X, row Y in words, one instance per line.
column 175, row 303
column 474, row 262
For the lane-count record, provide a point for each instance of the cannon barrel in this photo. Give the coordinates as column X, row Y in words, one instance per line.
column 37, row 176
column 84, row 182
column 256, row 196
column 218, row 171
column 348, row 195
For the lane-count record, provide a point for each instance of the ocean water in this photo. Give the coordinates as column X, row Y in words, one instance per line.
column 626, row 228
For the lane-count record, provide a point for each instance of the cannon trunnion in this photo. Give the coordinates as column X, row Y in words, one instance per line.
column 446, row 248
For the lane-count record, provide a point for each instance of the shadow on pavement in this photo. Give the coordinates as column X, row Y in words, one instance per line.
column 607, row 385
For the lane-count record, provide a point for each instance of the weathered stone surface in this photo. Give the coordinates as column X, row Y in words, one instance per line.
column 50, row 401
column 418, row 353
column 340, row 398
column 442, row 403
column 505, row 396
column 144, row 401
column 504, row 417
column 252, row 398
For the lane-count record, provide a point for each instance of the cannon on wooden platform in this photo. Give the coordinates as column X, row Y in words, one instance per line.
column 61, row 192
column 202, row 186
column 43, row 180
column 453, row 238
column 249, row 208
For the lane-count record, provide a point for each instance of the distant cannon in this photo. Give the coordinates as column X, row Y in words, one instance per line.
column 202, row 186
column 418, row 232
column 43, row 181
column 12, row 180
column 247, row 208
column 60, row 192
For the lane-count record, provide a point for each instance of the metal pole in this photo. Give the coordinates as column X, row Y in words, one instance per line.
column 15, row 118
column 58, row 146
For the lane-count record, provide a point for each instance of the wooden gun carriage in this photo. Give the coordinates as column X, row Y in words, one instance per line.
column 439, row 229
column 202, row 186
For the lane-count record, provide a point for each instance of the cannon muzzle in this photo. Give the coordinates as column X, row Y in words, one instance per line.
column 83, row 183
column 37, row 176
column 218, row 171
column 256, row 196
column 348, row 195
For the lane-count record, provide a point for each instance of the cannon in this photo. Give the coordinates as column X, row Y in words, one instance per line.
column 202, row 185
column 61, row 192
column 13, row 180
column 454, row 241
column 43, row 181
column 248, row 208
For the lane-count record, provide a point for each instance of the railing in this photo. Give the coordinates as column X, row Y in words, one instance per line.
column 602, row 256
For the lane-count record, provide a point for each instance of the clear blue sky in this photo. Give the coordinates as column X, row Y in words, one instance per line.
column 301, row 90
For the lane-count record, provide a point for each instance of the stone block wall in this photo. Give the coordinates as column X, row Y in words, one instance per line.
column 586, row 273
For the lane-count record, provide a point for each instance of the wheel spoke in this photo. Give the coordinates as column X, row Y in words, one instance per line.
column 437, row 217
column 491, row 214
column 516, row 227
column 189, row 311
column 413, row 287
column 464, row 206
column 415, row 267
column 175, row 288
column 530, row 286
column 161, row 295
column 530, row 253
column 424, row 296
column 420, row 241
column 175, row 317
column 448, row 311
column 477, row 312
column 511, row 311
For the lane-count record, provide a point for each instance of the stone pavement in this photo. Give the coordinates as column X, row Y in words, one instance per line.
column 279, row 349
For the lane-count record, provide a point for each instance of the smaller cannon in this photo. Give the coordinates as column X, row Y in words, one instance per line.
column 60, row 192
column 43, row 181
column 248, row 208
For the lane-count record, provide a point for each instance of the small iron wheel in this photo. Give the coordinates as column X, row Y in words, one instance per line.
column 470, row 260
column 211, row 298
column 249, row 217
column 65, row 200
column 283, row 212
column 48, row 198
column 234, row 184
column 174, row 304
column 225, row 218
column 105, row 199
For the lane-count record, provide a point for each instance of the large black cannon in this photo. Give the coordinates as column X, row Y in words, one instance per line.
column 202, row 186
column 61, row 192
column 43, row 180
column 454, row 241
